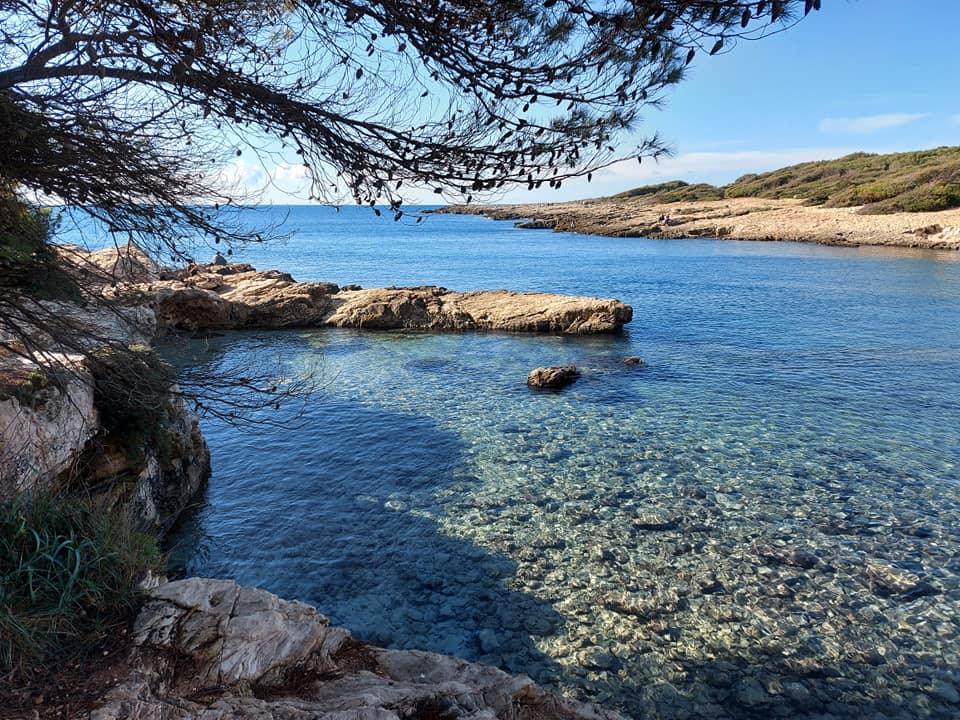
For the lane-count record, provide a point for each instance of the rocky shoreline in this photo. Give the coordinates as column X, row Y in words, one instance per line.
column 205, row 648
column 210, row 648
column 735, row 219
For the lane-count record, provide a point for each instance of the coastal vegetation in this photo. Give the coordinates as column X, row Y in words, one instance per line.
column 69, row 580
column 919, row 181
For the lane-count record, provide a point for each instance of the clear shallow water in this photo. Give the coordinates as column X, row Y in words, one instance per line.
column 764, row 520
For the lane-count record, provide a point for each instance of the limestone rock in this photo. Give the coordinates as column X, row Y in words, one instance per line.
column 212, row 649
column 46, row 416
column 128, row 264
column 236, row 296
column 167, row 481
column 552, row 378
column 533, row 224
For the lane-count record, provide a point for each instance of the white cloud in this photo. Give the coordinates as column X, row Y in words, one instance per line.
column 869, row 123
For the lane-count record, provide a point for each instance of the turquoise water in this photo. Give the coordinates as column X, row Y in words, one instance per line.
column 763, row 520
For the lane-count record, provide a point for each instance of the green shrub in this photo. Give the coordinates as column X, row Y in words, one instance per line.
column 27, row 262
column 673, row 191
column 897, row 182
column 69, row 574
column 644, row 190
column 24, row 230
column 866, row 194
column 132, row 392
column 927, row 198
column 25, row 386
column 691, row 193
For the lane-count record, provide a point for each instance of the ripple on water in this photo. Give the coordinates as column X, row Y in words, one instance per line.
column 664, row 548
column 763, row 521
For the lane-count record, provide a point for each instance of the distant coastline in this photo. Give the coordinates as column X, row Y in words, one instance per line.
column 908, row 199
column 733, row 218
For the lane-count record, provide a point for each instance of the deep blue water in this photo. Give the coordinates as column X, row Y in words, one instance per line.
column 615, row 539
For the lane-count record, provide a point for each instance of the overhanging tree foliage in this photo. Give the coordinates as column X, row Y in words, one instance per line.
column 129, row 111
column 127, row 108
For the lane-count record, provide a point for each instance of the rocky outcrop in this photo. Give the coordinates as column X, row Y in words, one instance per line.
column 552, row 378
column 53, row 412
column 436, row 308
column 206, row 649
column 51, row 431
column 208, row 297
column 158, row 475
column 47, row 414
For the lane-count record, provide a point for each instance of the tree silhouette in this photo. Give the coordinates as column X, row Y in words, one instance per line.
column 128, row 109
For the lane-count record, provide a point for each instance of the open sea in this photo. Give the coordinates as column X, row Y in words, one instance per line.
column 763, row 521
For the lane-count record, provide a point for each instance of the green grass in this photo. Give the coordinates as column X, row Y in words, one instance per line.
column 921, row 181
column 69, row 574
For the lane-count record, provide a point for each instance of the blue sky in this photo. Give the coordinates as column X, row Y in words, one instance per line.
column 871, row 75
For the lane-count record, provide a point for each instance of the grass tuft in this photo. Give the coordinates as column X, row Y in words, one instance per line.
column 69, row 580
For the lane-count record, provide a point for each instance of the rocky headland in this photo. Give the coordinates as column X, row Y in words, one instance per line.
column 733, row 218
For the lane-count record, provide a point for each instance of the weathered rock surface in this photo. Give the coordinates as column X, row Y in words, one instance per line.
column 734, row 218
column 50, row 424
column 207, row 297
column 552, row 377
column 206, row 649
column 44, row 424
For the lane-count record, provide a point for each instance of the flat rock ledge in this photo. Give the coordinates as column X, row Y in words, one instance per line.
column 218, row 297
column 733, row 218
column 205, row 649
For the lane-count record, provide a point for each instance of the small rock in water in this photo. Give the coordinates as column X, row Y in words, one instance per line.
column 887, row 580
column 655, row 521
column 633, row 361
column 788, row 555
column 751, row 693
column 945, row 691
column 552, row 377
column 539, row 625
column 600, row 659
column 488, row 640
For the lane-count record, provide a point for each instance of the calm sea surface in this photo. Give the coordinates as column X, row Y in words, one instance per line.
column 762, row 521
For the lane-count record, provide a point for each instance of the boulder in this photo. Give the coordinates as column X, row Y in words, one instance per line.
column 634, row 361
column 210, row 649
column 552, row 378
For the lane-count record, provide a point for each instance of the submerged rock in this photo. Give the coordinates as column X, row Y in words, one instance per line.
column 214, row 649
column 552, row 378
